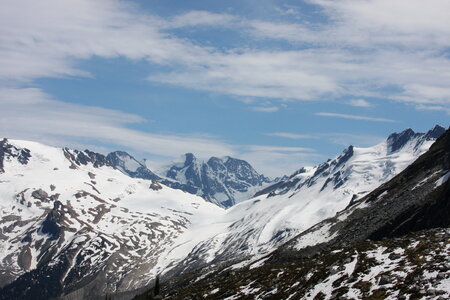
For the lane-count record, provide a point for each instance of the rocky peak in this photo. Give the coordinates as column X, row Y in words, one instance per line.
column 8, row 151
column 435, row 133
column 130, row 166
column 189, row 159
column 229, row 179
column 397, row 140
column 78, row 158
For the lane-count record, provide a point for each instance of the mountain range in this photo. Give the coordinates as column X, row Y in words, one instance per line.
column 223, row 181
column 393, row 243
column 81, row 224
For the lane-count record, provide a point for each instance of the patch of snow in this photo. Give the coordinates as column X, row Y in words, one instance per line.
column 442, row 180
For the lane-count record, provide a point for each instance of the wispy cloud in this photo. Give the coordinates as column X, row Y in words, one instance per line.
column 353, row 117
column 360, row 103
column 288, row 135
column 279, row 149
column 32, row 114
column 201, row 18
column 266, row 109
column 368, row 48
column 55, row 120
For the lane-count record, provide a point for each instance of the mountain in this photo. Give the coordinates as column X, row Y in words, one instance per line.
column 129, row 165
column 393, row 243
column 255, row 227
column 73, row 224
column 416, row 199
column 222, row 181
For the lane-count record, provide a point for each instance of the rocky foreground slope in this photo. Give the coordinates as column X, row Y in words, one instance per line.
column 414, row 266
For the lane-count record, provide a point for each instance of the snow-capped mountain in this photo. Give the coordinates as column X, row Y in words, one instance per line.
column 276, row 214
column 416, row 199
column 73, row 222
column 129, row 165
column 393, row 243
column 221, row 181
column 70, row 222
column 224, row 181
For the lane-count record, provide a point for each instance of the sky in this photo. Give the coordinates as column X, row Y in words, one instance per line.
column 281, row 84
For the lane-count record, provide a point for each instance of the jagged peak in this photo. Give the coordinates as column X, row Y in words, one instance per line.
column 396, row 141
column 214, row 159
column 436, row 132
column 189, row 158
column 120, row 153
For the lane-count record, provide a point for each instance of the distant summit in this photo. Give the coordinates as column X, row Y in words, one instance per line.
column 223, row 181
column 397, row 141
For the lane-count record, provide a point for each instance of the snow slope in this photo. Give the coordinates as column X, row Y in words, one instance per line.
column 73, row 210
column 257, row 226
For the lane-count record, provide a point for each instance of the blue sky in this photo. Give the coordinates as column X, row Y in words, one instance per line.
column 281, row 84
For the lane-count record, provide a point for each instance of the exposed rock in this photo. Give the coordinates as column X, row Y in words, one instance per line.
column 52, row 223
column 39, row 194
column 155, row 186
column 384, row 279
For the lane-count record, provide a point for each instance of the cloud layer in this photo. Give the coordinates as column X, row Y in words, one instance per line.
column 378, row 48
column 388, row 50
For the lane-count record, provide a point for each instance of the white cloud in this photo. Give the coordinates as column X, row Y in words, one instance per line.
column 43, row 38
column 288, row 135
column 37, row 116
column 201, row 18
column 53, row 120
column 369, row 49
column 360, row 103
column 352, row 117
column 374, row 48
column 267, row 109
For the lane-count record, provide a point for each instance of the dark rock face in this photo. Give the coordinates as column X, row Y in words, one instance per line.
column 155, row 186
column 39, row 194
column 398, row 140
column 52, row 223
column 8, row 151
column 435, row 133
column 78, row 158
column 87, row 156
column 225, row 177
column 118, row 160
